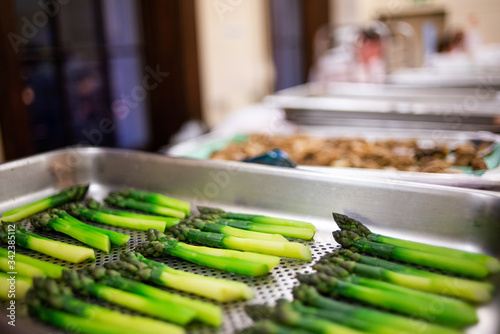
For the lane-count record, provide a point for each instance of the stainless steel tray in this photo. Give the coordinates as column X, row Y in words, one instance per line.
column 456, row 217
column 387, row 106
column 201, row 148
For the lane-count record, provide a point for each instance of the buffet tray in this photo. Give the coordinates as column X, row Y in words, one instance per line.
column 387, row 106
column 455, row 217
column 202, row 147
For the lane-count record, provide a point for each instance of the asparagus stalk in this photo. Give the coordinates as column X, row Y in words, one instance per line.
column 136, row 266
column 27, row 266
column 286, row 231
column 270, row 327
column 113, row 220
column 219, row 213
column 270, row 260
column 449, row 307
column 48, row 293
column 68, row 195
column 46, row 221
column 349, row 224
column 283, row 249
column 468, row 289
column 94, row 205
column 20, row 268
column 155, row 198
column 174, row 248
column 455, row 265
column 394, row 323
column 284, row 314
column 438, row 311
column 360, row 324
column 208, row 226
column 79, row 324
column 149, row 306
column 13, row 286
column 203, row 311
column 115, row 238
column 188, row 284
column 57, row 249
column 114, row 199
column 478, row 292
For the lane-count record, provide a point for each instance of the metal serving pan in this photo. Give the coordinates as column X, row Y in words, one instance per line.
column 410, row 93
column 452, row 76
column 202, row 147
column 456, row 217
column 387, row 106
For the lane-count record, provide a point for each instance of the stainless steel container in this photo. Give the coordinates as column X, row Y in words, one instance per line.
column 201, row 148
column 388, row 106
column 456, row 217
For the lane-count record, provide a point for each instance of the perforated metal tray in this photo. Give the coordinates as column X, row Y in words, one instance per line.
column 467, row 219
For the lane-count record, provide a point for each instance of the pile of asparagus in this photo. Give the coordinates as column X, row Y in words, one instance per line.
column 238, row 243
column 407, row 299
column 54, row 294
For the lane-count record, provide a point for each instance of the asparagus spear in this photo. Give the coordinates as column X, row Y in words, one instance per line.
column 46, row 221
column 454, row 286
column 203, row 311
column 349, row 224
column 20, row 268
column 208, row 226
column 395, row 323
column 136, row 266
column 151, row 197
column 478, row 292
column 360, row 324
column 115, row 238
column 270, row 327
column 149, row 306
column 57, row 249
column 219, row 213
column 27, row 266
column 449, row 307
column 94, row 205
column 436, row 311
column 114, row 199
column 47, row 293
column 14, row 286
column 286, row 231
column 270, row 260
column 284, row 314
column 113, row 220
column 79, row 324
column 284, row 249
column 175, row 248
column 68, row 195
column 455, row 265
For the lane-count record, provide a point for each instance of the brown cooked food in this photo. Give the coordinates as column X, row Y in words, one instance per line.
column 403, row 155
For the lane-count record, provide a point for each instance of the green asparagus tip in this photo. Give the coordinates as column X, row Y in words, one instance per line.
column 79, row 192
column 155, row 235
column 93, row 204
column 331, row 270
column 205, row 210
column 350, row 224
column 258, row 312
column 345, row 238
column 305, row 293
